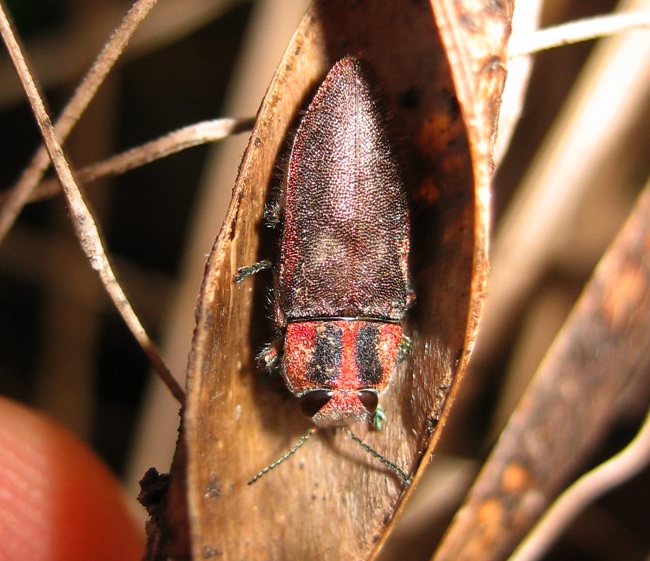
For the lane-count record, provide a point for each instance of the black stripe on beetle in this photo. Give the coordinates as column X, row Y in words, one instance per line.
column 326, row 359
column 369, row 366
column 342, row 280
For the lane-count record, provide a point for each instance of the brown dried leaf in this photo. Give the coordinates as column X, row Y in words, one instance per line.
column 332, row 500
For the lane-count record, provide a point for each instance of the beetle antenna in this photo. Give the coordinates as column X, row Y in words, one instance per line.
column 286, row 455
column 390, row 465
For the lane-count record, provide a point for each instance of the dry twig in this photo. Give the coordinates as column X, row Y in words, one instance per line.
column 613, row 86
column 83, row 221
column 569, row 404
column 74, row 109
column 176, row 141
column 608, row 475
column 576, row 31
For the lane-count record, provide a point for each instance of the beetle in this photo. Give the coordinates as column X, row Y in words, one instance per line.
column 342, row 284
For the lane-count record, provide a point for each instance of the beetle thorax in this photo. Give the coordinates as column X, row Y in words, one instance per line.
column 338, row 367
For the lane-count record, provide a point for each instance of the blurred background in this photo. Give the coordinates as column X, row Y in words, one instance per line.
column 65, row 350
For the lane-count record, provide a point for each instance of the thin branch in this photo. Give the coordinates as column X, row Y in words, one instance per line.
column 568, row 406
column 176, row 141
column 62, row 54
column 31, row 176
column 82, row 219
column 577, row 31
column 614, row 86
column 592, row 485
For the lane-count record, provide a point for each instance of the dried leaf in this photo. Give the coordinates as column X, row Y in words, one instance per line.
column 332, row 500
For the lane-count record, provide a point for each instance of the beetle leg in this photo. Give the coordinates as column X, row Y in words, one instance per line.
column 269, row 357
column 378, row 418
column 244, row 272
column 404, row 348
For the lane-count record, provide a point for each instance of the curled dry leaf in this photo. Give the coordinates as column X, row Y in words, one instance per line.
column 332, row 500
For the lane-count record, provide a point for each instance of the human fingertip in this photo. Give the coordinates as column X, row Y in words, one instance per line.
column 58, row 501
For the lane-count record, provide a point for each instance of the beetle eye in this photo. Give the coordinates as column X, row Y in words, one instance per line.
column 369, row 399
column 312, row 402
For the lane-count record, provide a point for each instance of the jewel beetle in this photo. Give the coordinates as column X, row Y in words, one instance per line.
column 342, row 282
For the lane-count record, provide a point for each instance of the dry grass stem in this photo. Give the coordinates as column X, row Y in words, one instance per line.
column 33, row 173
column 82, row 219
column 614, row 87
column 568, row 406
column 576, row 31
column 172, row 143
column 64, row 55
column 608, row 475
